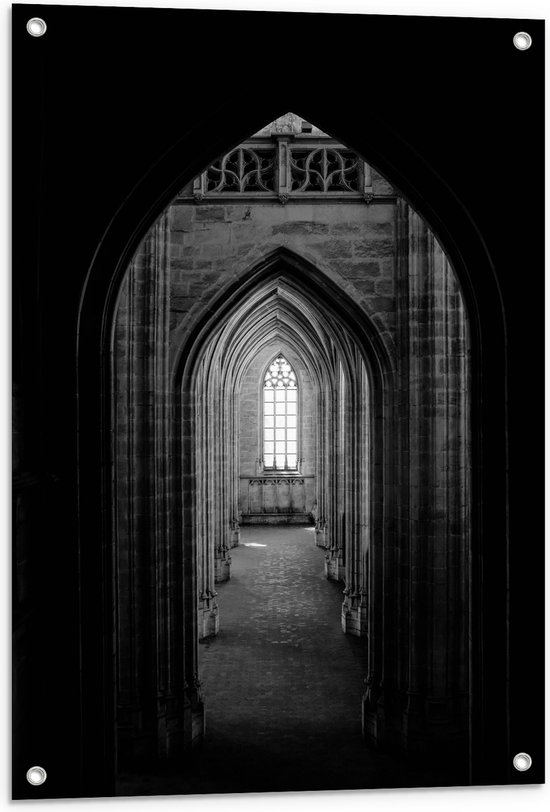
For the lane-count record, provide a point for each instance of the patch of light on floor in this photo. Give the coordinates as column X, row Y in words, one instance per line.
column 252, row 544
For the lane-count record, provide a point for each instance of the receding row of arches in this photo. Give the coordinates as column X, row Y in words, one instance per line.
column 386, row 424
column 281, row 315
column 99, row 495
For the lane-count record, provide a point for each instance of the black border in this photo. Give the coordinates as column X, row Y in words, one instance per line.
column 128, row 104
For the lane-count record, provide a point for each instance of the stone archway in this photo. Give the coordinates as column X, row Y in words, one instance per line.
column 64, row 335
column 200, row 545
column 418, row 379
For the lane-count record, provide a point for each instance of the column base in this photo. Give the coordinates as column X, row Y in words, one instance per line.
column 373, row 716
column 208, row 616
column 181, row 726
column 198, row 726
column 197, row 716
column 333, row 565
column 321, row 534
column 413, row 725
column 222, row 568
column 355, row 615
column 176, row 726
column 430, row 725
column 235, row 538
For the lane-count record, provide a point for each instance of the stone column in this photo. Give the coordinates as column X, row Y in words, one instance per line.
column 421, row 308
column 335, row 557
column 447, row 690
column 220, row 498
column 355, row 605
column 150, row 697
column 233, row 473
column 206, row 437
column 319, row 504
column 434, row 715
column 387, row 678
column 322, row 482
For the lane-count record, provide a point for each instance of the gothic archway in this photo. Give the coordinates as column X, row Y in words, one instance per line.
column 301, row 290
column 401, row 413
column 375, row 679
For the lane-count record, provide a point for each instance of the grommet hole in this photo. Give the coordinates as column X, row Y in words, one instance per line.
column 36, row 27
column 522, row 762
column 522, row 41
column 36, row 776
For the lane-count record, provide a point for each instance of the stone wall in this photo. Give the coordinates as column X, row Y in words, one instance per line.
column 211, row 245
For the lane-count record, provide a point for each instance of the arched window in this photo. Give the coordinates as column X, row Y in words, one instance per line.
column 280, row 403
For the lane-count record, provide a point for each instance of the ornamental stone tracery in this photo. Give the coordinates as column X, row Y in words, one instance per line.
column 288, row 160
column 243, row 170
column 280, row 375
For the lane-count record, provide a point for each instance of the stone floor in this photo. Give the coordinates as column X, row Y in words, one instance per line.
column 282, row 683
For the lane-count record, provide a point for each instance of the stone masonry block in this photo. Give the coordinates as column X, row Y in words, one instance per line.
column 209, row 214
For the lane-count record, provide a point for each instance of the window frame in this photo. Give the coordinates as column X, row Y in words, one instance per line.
column 273, row 470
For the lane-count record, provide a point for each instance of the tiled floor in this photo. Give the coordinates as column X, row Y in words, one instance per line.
column 282, row 683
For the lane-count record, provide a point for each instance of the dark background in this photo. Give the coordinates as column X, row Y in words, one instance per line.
column 114, row 110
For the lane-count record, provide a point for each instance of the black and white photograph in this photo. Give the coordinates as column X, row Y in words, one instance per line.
column 278, row 399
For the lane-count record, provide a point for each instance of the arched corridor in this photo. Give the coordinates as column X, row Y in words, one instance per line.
column 297, row 357
column 134, row 244
column 280, row 309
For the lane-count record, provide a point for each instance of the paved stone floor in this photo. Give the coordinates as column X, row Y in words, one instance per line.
column 282, row 683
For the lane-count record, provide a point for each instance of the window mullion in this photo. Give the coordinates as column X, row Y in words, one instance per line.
column 286, row 425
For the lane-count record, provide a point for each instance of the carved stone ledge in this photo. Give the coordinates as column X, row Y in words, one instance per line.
column 194, row 721
column 355, row 614
column 222, row 567
column 235, row 536
column 373, row 712
column 333, row 564
column 321, row 533
column 208, row 615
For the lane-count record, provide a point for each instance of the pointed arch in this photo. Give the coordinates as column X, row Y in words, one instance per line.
column 341, row 344
column 284, row 266
column 373, row 350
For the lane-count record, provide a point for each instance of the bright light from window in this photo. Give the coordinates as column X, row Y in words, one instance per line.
column 280, row 417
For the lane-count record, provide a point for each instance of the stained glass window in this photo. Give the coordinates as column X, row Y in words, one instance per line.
column 280, row 417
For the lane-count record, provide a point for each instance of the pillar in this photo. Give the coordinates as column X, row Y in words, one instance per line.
column 435, row 711
column 151, row 703
column 355, row 609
